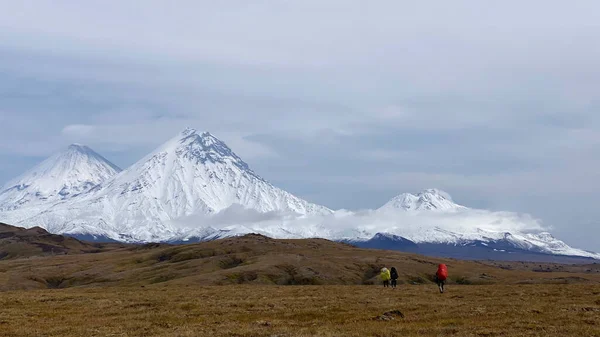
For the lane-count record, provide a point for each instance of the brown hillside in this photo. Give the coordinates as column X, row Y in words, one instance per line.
column 255, row 259
column 17, row 242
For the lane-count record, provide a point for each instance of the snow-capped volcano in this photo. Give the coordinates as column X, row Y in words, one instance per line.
column 63, row 176
column 191, row 174
column 196, row 172
column 430, row 199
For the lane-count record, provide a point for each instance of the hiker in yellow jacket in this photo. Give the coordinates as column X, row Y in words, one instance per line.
column 385, row 276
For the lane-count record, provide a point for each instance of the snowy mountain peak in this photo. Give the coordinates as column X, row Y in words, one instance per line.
column 434, row 192
column 430, row 199
column 188, row 131
column 191, row 132
column 197, row 172
column 78, row 151
column 69, row 173
column 204, row 147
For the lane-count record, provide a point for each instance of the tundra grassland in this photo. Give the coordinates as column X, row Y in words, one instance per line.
column 304, row 310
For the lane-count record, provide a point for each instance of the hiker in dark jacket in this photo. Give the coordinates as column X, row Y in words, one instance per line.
column 394, row 276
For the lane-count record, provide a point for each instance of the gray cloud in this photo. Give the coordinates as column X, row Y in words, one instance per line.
column 344, row 103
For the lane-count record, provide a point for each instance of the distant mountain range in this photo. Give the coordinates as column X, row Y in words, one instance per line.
column 195, row 188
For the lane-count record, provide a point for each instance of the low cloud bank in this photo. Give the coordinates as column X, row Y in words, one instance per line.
column 417, row 226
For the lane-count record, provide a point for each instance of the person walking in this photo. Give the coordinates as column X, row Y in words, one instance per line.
column 394, row 277
column 440, row 276
column 385, row 277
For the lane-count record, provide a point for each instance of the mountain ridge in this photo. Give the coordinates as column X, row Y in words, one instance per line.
column 180, row 190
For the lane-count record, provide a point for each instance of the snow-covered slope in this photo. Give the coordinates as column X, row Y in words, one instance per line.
column 196, row 172
column 63, row 176
column 429, row 200
column 192, row 174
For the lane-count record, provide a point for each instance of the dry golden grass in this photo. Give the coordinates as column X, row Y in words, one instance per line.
column 245, row 310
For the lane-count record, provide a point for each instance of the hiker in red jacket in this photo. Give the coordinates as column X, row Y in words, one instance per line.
column 440, row 276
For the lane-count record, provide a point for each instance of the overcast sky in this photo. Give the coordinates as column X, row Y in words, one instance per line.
column 344, row 103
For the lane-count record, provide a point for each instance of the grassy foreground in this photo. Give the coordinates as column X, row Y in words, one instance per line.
column 254, row 310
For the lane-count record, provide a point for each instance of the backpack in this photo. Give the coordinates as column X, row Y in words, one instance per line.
column 394, row 273
column 442, row 272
